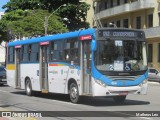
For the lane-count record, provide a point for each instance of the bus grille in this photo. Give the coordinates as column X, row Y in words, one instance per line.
column 123, row 77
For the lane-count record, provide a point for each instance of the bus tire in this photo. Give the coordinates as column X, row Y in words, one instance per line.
column 119, row 99
column 74, row 92
column 28, row 87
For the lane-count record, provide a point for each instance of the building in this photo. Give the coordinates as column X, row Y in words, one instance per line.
column 1, row 14
column 90, row 13
column 138, row 14
column 2, row 47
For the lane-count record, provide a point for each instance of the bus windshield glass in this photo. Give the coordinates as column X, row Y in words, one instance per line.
column 121, row 55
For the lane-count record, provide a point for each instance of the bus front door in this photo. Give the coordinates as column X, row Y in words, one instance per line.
column 44, row 68
column 86, row 67
column 18, row 80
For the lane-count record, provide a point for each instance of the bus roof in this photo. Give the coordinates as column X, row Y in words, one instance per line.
column 53, row 37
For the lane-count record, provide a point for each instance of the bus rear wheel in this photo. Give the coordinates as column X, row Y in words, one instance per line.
column 119, row 99
column 28, row 87
column 74, row 93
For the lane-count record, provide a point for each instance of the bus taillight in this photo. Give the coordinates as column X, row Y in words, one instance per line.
column 86, row 37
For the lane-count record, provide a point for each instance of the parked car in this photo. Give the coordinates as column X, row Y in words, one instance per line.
column 3, row 79
column 153, row 74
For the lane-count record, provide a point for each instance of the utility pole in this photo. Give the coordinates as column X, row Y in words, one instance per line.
column 47, row 18
column 45, row 25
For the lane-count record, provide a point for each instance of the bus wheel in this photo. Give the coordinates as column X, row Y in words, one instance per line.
column 119, row 99
column 74, row 93
column 28, row 87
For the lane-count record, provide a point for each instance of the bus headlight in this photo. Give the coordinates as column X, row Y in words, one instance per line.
column 101, row 83
column 144, row 82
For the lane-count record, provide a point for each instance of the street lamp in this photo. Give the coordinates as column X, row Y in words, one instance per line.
column 47, row 18
column 112, row 24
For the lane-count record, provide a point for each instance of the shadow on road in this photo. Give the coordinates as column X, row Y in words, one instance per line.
column 91, row 101
column 5, row 85
column 110, row 102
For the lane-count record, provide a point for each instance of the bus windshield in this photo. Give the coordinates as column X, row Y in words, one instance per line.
column 121, row 55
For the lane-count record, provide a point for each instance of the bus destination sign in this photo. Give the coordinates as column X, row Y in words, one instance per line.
column 114, row 33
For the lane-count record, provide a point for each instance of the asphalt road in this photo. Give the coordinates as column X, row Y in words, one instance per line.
column 16, row 100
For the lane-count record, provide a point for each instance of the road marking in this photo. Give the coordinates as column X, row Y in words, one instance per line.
column 4, row 91
column 64, row 102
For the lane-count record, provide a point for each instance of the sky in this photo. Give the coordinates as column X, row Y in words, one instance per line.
column 3, row 2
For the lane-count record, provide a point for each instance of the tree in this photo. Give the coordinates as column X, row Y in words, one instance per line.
column 7, row 21
column 19, row 23
column 75, row 11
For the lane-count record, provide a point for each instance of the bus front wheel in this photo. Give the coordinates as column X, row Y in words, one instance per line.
column 28, row 87
column 119, row 99
column 74, row 93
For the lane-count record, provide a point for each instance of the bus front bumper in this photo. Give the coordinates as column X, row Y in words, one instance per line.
column 99, row 90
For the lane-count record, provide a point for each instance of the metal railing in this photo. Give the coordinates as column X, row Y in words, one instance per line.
column 152, row 32
column 124, row 8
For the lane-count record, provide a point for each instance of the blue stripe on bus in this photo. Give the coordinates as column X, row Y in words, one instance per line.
column 119, row 83
column 53, row 37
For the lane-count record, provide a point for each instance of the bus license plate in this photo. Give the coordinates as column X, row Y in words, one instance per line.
column 123, row 93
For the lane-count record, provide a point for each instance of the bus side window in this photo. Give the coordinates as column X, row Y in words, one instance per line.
column 51, row 52
column 11, row 55
column 29, row 52
column 71, row 51
column 25, row 53
column 56, row 50
column 34, row 53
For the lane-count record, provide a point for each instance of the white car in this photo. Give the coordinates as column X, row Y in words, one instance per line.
column 153, row 74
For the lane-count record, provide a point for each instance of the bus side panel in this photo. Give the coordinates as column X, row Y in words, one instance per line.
column 11, row 75
column 74, row 73
column 31, row 71
column 57, row 75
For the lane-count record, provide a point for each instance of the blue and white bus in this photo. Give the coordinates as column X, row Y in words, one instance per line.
column 93, row 62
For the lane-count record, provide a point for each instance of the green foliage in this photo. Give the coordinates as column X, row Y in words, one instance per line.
column 74, row 10
column 3, row 36
column 7, row 23
column 21, row 4
column 27, row 17
column 30, row 23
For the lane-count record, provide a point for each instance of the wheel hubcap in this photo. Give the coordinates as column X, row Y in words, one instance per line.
column 74, row 92
column 28, row 88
